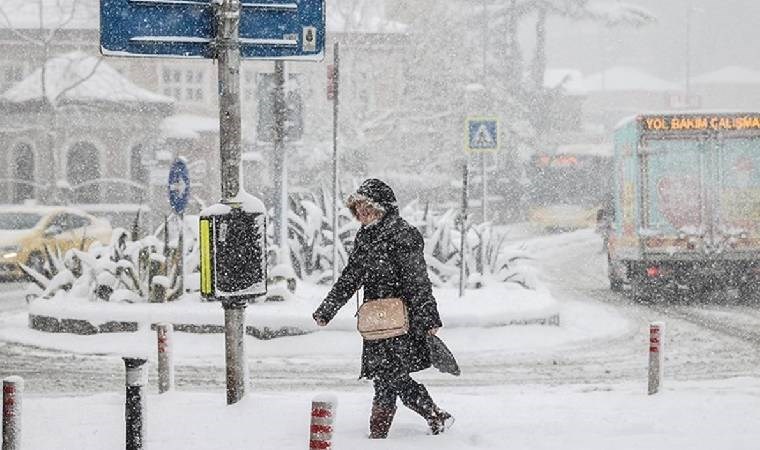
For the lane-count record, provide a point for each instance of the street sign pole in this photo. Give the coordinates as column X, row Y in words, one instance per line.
column 462, row 271
column 280, row 161
column 227, row 14
column 179, row 194
column 485, row 188
column 336, row 234
column 181, row 263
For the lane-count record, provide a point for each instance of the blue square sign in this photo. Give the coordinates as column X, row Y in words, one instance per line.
column 482, row 134
column 269, row 29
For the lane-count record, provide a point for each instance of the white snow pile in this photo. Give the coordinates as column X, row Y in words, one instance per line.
column 536, row 417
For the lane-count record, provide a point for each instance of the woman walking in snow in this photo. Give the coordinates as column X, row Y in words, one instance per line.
column 388, row 262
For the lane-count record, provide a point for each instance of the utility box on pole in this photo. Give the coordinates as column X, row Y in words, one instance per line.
column 228, row 31
column 233, row 255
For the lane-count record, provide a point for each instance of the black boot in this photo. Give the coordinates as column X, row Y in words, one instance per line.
column 439, row 421
column 380, row 420
column 419, row 401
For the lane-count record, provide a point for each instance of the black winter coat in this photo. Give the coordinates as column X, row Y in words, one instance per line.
column 388, row 261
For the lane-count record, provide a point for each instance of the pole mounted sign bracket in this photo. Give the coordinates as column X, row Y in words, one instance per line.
column 291, row 30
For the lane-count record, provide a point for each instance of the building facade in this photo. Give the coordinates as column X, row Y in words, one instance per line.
column 39, row 30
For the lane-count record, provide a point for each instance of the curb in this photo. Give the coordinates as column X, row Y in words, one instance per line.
column 49, row 324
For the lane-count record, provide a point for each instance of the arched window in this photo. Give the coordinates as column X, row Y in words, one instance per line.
column 83, row 167
column 23, row 173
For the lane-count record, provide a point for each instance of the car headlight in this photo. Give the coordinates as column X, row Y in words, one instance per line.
column 10, row 251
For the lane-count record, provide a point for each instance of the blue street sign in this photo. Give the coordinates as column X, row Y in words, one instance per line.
column 179, row 185
column 269, row 29
column 482, row 134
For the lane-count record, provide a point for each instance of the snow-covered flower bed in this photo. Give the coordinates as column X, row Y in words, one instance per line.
column 130, row 284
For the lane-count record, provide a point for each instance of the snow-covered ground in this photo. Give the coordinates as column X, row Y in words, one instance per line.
column 579, row 385
column 686, row 415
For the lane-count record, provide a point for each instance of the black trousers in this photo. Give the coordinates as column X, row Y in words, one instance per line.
column 412, row 394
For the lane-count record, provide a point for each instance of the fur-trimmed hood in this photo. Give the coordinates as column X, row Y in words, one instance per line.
column 375, row 192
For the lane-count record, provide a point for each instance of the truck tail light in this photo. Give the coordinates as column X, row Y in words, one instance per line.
column 653, row 271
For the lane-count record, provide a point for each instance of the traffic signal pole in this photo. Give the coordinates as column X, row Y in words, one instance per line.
column 227, row 14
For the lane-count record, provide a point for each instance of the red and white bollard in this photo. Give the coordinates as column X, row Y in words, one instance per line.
column 165, row 335
column 656, row 333
column 323, row 408
column 13, row 387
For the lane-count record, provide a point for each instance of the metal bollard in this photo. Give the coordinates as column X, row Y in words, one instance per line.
column 135, row 403
column 165, row 335
column 13, row 387
column 323, row 408
column 656, row 331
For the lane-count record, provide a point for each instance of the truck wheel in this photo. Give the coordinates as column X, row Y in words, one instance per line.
column 616, row 284
column 749, row 292
column 641, row 290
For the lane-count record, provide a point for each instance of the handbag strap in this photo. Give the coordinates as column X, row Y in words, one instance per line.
column 357, row 303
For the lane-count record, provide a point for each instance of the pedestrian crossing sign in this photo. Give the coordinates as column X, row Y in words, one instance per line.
column 482, row 134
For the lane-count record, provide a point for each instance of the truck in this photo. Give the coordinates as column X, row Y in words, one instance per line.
column 683, row 214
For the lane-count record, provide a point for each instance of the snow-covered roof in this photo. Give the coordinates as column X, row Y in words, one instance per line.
column 570, row 80
column 343, row 16
column 56, row 14
column 728, row 75
column 623, row 78
column 79, row 77
column 188, row 126
column 618, row 13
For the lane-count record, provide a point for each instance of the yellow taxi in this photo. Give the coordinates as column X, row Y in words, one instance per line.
column 558, row 218
column 25, row 231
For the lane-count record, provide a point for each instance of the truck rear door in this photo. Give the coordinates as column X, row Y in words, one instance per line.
column 675, row 187
column 738, row 193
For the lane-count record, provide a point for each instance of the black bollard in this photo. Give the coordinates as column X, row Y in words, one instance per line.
column 135, row 403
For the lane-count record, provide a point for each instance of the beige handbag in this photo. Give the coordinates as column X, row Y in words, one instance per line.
column 382, row 318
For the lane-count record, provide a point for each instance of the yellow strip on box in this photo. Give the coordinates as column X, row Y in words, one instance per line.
column 205, row 248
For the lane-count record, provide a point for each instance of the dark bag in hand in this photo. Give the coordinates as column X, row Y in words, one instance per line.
column 441, row 356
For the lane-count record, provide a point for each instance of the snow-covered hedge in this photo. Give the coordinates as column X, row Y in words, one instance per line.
column 310, row 231
column 486, row 258
column 146, row 269
column 124, row 270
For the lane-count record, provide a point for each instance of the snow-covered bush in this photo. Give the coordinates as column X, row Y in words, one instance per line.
column 485, row 256
column 147, row 269
column 310, row 231
column 143, row 270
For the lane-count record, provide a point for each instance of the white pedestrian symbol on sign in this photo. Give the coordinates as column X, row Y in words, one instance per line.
column 482, row 134
column 483, row 138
